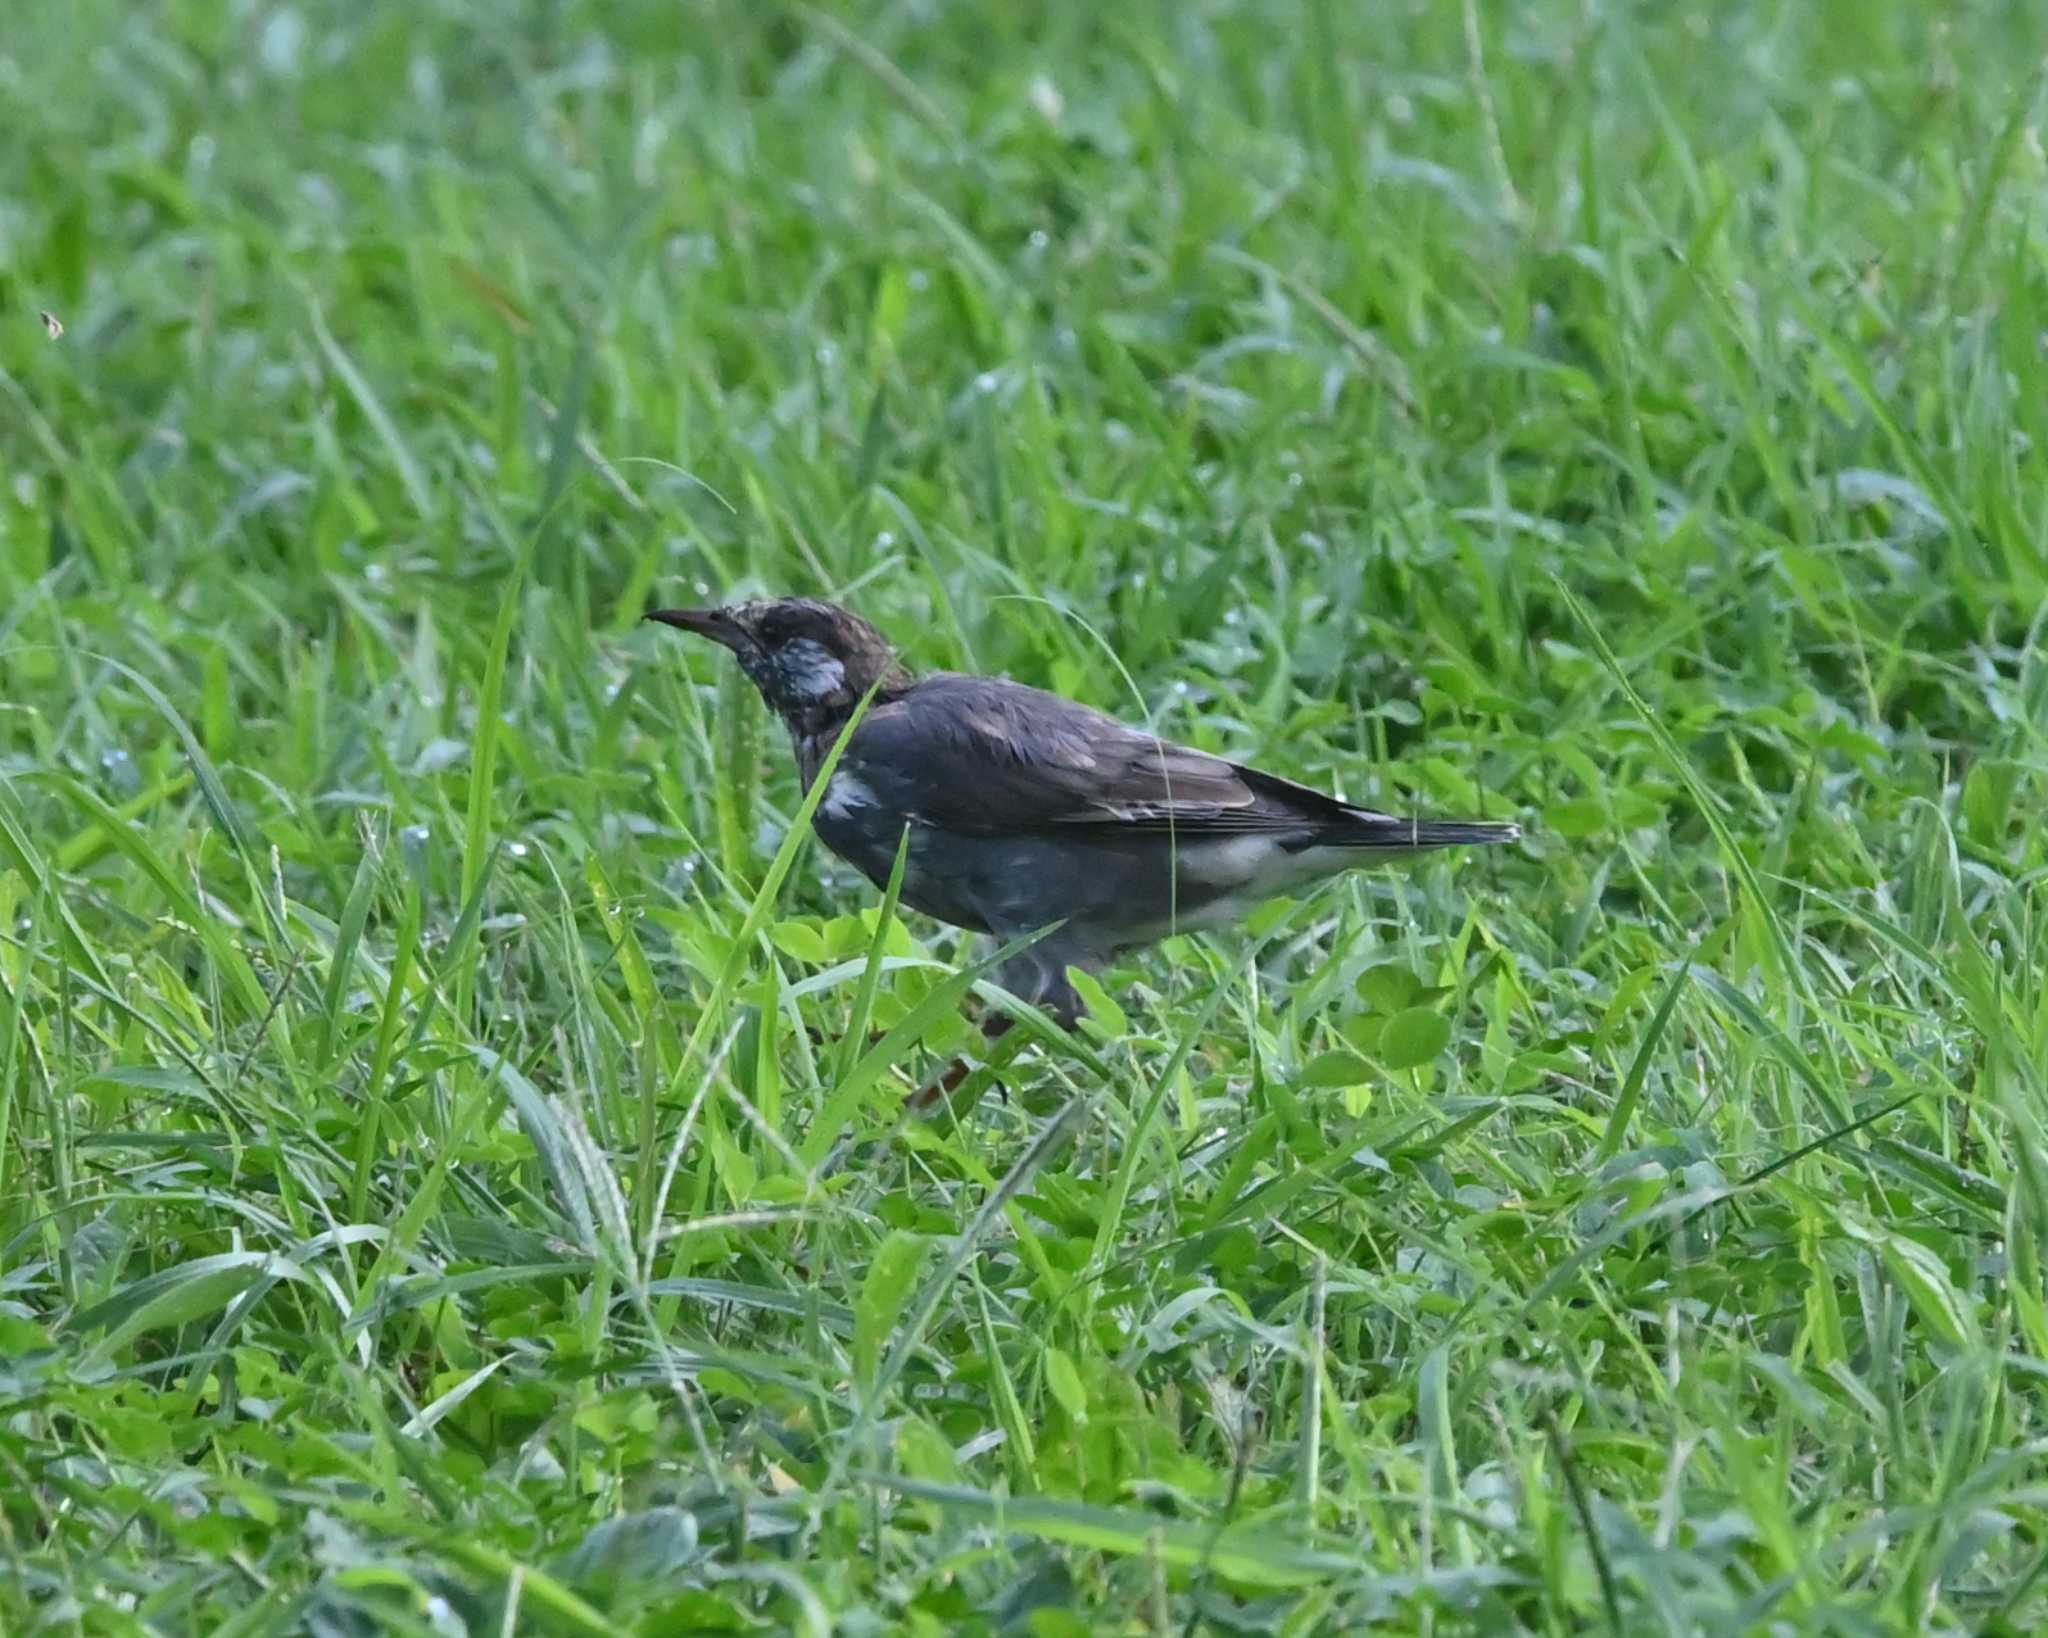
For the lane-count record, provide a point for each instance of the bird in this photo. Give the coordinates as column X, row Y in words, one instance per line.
column 1029, row 811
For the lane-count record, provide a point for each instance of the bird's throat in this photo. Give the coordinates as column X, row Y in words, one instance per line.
column 812, row 734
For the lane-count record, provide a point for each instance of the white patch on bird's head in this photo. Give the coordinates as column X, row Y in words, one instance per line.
column 807, row 670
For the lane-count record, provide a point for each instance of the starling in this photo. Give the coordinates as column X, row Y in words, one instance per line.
column 1026, row 809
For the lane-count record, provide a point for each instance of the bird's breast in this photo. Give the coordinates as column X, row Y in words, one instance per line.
column 858, row 824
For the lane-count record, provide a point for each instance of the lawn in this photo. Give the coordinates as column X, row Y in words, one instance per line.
column 453, row 1168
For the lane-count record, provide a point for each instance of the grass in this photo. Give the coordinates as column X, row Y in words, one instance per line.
column 436, row 1193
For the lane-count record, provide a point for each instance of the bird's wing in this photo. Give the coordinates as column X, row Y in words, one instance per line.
column 980, row 756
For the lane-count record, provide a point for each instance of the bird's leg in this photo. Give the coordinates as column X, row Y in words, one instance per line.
column 1038, row 975
column 993, row 1028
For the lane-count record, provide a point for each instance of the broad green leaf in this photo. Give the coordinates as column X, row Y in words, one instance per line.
column 179, row 1295
column 1336, row 1069
column 1063, row 1381
column 1102, row 1008
column 891, row 1276
column 1413, row 1037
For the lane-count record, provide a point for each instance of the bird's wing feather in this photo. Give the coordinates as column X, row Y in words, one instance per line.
column 981, row 755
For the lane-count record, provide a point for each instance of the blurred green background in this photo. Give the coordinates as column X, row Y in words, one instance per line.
column 444, row 1182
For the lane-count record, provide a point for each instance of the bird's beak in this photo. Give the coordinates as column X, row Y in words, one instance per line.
column 716, row 624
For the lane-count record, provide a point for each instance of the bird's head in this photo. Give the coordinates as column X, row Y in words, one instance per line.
column 812, row 661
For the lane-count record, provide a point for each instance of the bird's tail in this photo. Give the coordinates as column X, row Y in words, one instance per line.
column 1385, row 830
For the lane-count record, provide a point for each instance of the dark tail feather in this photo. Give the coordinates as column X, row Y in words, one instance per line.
column 1400, row 835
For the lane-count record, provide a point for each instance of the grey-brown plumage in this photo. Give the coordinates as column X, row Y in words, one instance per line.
column 1026, row 809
